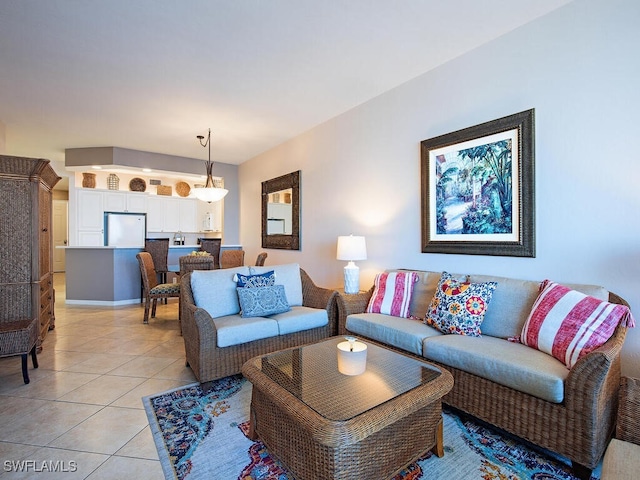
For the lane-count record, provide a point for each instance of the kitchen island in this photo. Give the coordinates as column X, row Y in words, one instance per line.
column 110, row 276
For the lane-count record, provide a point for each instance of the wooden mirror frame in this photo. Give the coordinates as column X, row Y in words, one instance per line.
column 282, row 241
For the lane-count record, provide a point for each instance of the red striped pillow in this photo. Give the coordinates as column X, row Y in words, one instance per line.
column 392, row 293
column 568, row 324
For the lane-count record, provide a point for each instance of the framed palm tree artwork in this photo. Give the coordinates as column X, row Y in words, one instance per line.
column 478, row 189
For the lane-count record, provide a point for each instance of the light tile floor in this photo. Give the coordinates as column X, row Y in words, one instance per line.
column 82, row 410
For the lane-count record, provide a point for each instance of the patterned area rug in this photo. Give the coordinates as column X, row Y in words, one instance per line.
column 202, row 435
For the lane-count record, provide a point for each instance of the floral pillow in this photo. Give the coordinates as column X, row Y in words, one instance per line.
column 459, row 306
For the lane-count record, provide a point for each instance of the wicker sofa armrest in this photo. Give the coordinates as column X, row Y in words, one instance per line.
column 351, row 303
column 593, row 382
column 628, row 426
column 314, row 296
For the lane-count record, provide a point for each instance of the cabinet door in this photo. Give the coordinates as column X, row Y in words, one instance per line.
column 115, row 202
column 171, row 219
column 90, row 238
column 188, row 215
column 154, row 214
column 136, row 202
column 90, row 211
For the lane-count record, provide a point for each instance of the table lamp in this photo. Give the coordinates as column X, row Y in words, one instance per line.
column 351, row 248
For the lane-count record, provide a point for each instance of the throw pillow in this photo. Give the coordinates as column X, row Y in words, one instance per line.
column 459, row 306
column 568, row 324
column 263, row 301
column 289, row 276
column 392, row 293
column 266, row 279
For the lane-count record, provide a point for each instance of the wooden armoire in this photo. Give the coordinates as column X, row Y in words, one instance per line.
column 26, row 242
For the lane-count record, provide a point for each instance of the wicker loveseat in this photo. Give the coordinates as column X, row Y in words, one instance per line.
column 514, row 387
column 213, row 353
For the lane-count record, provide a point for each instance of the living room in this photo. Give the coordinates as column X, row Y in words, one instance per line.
column 577, row 66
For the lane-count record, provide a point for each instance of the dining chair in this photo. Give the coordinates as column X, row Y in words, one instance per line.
column 212, row 245
column 261, row 258
column 189, row 263
column 231, row 258
column 152, row 289
column 159, row 250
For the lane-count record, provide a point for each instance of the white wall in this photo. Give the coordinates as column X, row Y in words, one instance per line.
column 3, row 138
column 578, row 67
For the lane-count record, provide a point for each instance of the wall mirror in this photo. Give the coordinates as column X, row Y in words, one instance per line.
column 281, row 212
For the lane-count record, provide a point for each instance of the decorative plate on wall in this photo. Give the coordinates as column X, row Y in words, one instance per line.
column 183, row 189
column 137, row 185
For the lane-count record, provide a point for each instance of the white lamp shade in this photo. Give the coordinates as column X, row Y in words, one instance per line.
column 209, row 194
column 351, row 248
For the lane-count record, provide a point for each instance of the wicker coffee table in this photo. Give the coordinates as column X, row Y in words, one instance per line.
column 325, row 425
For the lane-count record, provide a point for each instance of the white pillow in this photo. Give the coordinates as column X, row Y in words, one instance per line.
column 287, row 275
column 215, row 290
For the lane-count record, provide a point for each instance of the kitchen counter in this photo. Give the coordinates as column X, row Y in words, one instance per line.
column 110, row 276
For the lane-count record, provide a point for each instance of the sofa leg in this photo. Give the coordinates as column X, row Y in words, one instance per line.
column 580, row 471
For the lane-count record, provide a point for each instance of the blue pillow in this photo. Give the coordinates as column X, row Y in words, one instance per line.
column 263, row 301
column 266, row 279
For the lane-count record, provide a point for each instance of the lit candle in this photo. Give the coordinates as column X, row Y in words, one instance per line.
column 352, row 357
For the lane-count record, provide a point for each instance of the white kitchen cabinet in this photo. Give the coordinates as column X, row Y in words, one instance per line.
column 137, row 202
column 90, row 210
column 90, row 239
column 125, row 202
column 168, row 214
column 188, row 215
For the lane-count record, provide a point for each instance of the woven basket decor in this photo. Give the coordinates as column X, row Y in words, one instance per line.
column 164, row 190
column 137, row 185
column 183, row 189
column 89, row 180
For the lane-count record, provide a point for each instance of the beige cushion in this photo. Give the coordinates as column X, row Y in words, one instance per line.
column 621, row 460
column 510, row 364
column 510, row 305
column 512, row 301
column 403, row 333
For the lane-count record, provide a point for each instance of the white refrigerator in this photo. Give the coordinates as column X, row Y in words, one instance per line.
column 125, row 229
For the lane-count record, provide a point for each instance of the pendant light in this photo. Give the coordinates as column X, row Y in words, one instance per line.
column 209, row 193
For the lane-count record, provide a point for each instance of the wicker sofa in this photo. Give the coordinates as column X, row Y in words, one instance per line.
column 516, row 388
column 210, row 350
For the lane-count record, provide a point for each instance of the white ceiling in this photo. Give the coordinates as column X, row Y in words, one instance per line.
column 152, row 74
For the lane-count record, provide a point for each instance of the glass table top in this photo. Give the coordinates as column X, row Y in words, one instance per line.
column 310, row 373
